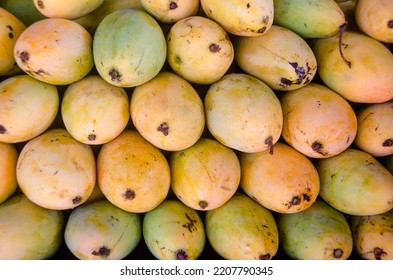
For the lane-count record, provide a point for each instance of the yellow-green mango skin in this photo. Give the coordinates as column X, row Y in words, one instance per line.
column 129, row 47
column 373, row 236
column 101, row 231
column 367, row 78
column 28, row 107
column 25, row 11
column 320, row 232
column 355, row 183
column 173, row 231
column 28, row 231
column 309, row 18
column 242, row 229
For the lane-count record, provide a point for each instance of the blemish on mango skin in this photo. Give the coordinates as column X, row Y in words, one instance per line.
column 2, row 129
column 181, row 255
column 129, row 194
column 40, row 4
column 338, row 253
column 103, row 251
column 164, row 128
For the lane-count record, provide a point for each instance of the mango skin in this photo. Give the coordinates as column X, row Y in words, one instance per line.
column 29, row 231
column 171, row 11
column 318, row 233
column 101, row 231
column 174, row 231
column 68, row 9
column 363, row 75
column 8, row 159
column 373, row 236
column 242, row 229
column 355, row 183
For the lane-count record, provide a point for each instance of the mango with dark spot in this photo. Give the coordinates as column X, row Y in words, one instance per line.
column 169, row 12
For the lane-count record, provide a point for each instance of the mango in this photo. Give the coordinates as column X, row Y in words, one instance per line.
column 355, row 183
column 242, row 229
column 318, row 122
column 29, row 231
column 25, row 11
column 373, row 236
column 56, row 171
column 243, row 113
column 205, row 175
column 170, row 11
column 168, row 112
column 280, row 58
column 174, row 231
column 132, row 173
column 94, row 112
column 356, row 66
column 101, row 231
column 8, row 159
column 28, row 107
column 291, row 188
column 318, row 233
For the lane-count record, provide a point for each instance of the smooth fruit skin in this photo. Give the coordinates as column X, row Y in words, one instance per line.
column 199, row 50
column 375, row 19
column 67, row 9
column 375, row 134
column 363, row 72
column 168, row 11
column 241, row 17
column 173, row 231
column 101, row 231
column 373, row 236
column 129, row 47
column 28, row 231
column 94, row 112
column 25, row 11
column 28, row 107
column 309, row 18
column 280, row 58
column 8, row 159
column 355, row 183
column 168, row 112
column 318, row 122
column 205, row 175
column 132, row 173
column 10, row 29
column 55, row 50
column 242, row 229
column 317, row 233
column 56, row 171
column 243, row 113
column 291, row 188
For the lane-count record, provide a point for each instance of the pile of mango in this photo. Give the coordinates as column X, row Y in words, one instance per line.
column 255, row 128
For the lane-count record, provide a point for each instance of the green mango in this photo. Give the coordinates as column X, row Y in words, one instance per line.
column 100, row 230
column 318, row 233
column 29, row 231
column 25, row 11
column 174, row 231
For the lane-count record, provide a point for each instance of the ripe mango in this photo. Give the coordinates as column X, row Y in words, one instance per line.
column 242, row 229
column 101, row 231
column 29, row 231
column 170, row 11
column 174, row 231
column 320, row 232
column 8, row 159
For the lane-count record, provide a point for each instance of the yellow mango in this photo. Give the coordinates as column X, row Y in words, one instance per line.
column 68, row 9
column 8, row 158
column 170, row 11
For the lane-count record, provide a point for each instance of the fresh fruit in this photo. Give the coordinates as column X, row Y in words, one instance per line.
column 173, row 231
column 25, row 11
column 199, row 50
column 55, row 171
column 355, row 183
column 373, row 236
column 10, row 29
column 94, row 111
column 240, row 17
column 8, row 183
column 205, row 175
column 242, row 229
column 170, row 11
column 291, row 188
column 375, row 133
column 280, row 58
column 29, row 231
column 28, row 107
column 318, row 233
column 129, row 47
column 243, row 113
column 101, row 231
column 356, row 66
column 55, row 50
column 318, row 122
column 168, row 112
column 132, row 173
column 309, row 18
